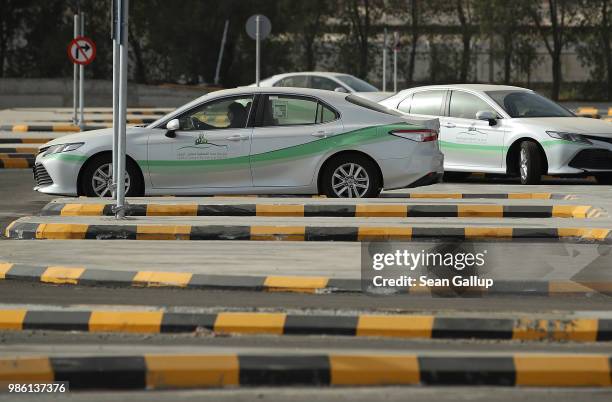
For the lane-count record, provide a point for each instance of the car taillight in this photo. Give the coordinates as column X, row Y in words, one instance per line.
column 423, row 135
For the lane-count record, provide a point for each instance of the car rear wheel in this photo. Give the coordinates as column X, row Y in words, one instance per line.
column 351, row 176
column 530, row 163
column 96, row 179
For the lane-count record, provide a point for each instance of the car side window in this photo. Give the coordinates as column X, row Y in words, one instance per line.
column 427, row 102
column 296, row 81
column 287, row 110
column 323, row 83
column 404, row 105
column 465, row 106
column 220, row 114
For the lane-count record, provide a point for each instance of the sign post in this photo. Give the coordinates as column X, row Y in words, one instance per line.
column 81, row 52
column 396, row 47
column 258, row 27
column 121, row 34
column 75, row 76
column 82, row 78
column 384, row 63
column 223, row 39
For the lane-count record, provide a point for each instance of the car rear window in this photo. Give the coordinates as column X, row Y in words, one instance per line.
column 359, row 101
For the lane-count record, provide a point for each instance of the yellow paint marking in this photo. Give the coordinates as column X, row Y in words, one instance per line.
column 12, row 319
column 380, row 210
column 294, row 233
column 20, row 128
column 25, row 370
column 301, row 284
column 587, row 110
column 567, row 287
column 4, row 268
column 562, row 370
column 583, row 329
column 529, row 196
column 62, row 275
column 163, row 232
column 61, row 231
column 82, row 210
column 384, row 233
column 156, row 279
column 484, row 211
column 482, row 232
column 172, row 210
column 570, row 211
column 374, row 370
column 35, row 141
column 66, row 128
column 191, row 371
column 279, row 210
column 15, row 163
column 250, row 323
column 125, row 321
column 395, row 326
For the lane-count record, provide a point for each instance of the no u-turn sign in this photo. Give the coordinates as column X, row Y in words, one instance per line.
column 82, row 50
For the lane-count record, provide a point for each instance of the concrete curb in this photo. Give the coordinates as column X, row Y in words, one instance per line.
column 82, row 276
column 61, row 231
column 156, row 371
column 501, row 196
column 25, row 141
column 16, row 163
column 362, row 325
column 329, row 210
column 67, row 128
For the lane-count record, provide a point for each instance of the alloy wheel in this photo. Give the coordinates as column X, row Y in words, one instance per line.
column 102, row 181
column 350, row 180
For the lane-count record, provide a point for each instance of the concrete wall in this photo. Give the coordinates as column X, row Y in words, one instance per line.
column 41, row 92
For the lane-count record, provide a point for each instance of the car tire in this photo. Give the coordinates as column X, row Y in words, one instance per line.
column 364, row 173
column 455, row 176
column 100, row 165
column 604, row 178
column 530, row 163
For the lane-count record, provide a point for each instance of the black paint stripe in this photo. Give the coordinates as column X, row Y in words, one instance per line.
column 528, row 211
column 108, row 372
column 432, row 211
column 329, row 210
column 478, row 328
column 203, row 281
column 534, row 287
column 8, row 150
column 535, row 233
column 344, row 285
column 438, row 233
column 107, row 277
column 467, row 370
column 52, row 209
column 187, row 322
column 106, row 232
column 227, row 210
column 220, row 232
column 284, row 370
column 322, row 233
column 486, row 195
column 57, row 320
column 604, row 330
column 320, row 325
column 25, row 272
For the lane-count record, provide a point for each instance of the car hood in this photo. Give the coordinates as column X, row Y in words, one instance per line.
column 374, row 96
column 88, row 135
column 578, row 125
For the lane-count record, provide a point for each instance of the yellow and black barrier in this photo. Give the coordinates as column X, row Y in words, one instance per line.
column 329, row 210
column 168, row 371
column 82, row 276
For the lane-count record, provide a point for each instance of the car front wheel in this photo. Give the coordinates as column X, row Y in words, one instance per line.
column 351, row 176
column 530, row 163
column 96, row 178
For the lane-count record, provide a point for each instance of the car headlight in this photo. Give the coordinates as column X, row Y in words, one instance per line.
column 568, row 137
column 56, row 149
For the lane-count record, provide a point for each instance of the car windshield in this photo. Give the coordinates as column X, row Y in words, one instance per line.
column 356, row 84
column 358, row 100
column 528, row 104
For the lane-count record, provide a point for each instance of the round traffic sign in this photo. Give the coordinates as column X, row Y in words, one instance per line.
column 264, row 26
column 81, row 50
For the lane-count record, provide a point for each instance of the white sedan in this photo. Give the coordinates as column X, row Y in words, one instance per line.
column 254, row 141
column 328, row 81
column 510, row 130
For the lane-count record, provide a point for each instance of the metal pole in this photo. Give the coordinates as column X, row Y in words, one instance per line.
column 121, row 149
column 82, row 78
column 384, row 63
column 257, row 38
column 116, row 67
column 75, row 77
column 218, row 70
column 395, row 70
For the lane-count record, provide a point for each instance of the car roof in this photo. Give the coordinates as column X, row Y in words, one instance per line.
column 329, row 74
column 471, row 87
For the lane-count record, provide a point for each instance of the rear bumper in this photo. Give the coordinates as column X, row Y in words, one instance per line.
column 428, row 179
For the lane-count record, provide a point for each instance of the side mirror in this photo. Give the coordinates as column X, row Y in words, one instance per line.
column 487, row 115
column 172, row 126
column 340, row 89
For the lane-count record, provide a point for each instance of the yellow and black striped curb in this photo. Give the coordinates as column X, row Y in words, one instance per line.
column 157, row 371
column 501, row 196
column 329, row 210
column 24, row 128
column 362, row 325
column 19, row 150
column 143, row 120
column 477, row 175
column 142, row 112
column 82, row 276
column 16, row 163
column 25, row 141
column 60, row 231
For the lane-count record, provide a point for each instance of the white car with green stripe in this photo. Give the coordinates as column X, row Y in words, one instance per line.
column 254, row 141
column 510, row 130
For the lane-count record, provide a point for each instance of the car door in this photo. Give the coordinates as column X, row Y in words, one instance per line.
column 470, row 142
column 283, row 149
column 211, row 148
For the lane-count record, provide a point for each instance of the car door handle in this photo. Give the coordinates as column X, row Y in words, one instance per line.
column 449, row 125
column 237, row 137
column 319, row 134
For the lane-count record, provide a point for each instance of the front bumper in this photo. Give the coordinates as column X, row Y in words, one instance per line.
column 54, row 175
